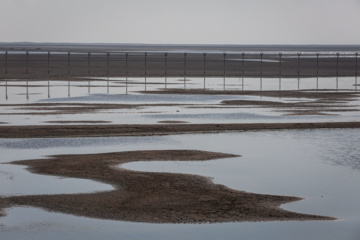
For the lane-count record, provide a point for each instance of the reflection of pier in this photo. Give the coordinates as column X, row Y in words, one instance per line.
column 72, row 65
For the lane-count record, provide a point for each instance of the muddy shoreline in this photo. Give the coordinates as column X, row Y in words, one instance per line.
column 52, row 131
column 163, row 197
column 152, row 197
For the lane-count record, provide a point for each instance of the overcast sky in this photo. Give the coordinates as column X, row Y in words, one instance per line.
column 181, row 21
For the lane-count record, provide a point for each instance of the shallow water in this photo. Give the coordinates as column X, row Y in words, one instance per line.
column 186, row 108
column 23, row 91
column 15, row 180
column 321, row 166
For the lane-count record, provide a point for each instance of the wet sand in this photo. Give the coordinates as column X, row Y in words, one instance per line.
column 321, row 94
column 163, row 197
column 152, row 197
column 48, row 131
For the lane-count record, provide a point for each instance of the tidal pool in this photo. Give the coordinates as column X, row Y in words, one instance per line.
column 22, row 91
column 322, row 166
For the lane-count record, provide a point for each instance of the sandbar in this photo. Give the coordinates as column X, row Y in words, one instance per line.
column 152, row 197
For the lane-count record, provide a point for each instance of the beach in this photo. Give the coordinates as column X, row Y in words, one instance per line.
column 157, row 113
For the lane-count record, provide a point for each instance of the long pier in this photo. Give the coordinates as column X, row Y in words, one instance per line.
column 69, row 63
column 177, row 64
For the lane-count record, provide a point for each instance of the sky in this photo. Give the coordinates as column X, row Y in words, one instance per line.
column 181, row 21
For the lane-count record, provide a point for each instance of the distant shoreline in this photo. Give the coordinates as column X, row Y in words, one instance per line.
column 20, row 46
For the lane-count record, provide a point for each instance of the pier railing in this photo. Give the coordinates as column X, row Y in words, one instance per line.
column 51, row 65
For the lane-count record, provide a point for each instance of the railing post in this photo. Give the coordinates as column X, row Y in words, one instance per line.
column 48, row 63
column 299, row 54
column 68, row 63
column 6, row 63
column 69, row 74
column 27, row 89
column 261, row 69
column 6, row 72
column 89, row 54
column 224, row 68
column 280, row 55
column 27, row 73
column 317, row 71
column 145, row 69
column 204, row 59
column 185, row 70
column 108, row 63
column 126, row 73
column 107, row 71
column 69, row 88
column 6, row 90
column 337, row 71
column 166, row 54
column 27, row 63
column 356, row 70
column 48, row 71
column 242, row 69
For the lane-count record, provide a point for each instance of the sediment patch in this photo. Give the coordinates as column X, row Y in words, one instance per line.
column 99, row 130
column 152, row 197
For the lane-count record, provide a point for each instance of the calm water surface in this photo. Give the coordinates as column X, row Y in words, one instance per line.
column 321, row 166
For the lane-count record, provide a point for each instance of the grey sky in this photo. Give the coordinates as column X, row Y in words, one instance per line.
column 181, row 21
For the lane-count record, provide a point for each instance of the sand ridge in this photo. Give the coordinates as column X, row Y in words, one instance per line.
column 153, row 197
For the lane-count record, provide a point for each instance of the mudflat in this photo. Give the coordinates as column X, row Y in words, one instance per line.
column 164, row 197
column 46, row 131
column 152, row 197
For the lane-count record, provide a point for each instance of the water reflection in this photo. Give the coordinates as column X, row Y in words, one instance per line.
column 337, row 147
column 293, row 162
column 344, row 149
column 68, row 89
column 16, row 180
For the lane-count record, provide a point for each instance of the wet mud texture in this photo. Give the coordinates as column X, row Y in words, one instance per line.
column 48, row 131
column 152, row 197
